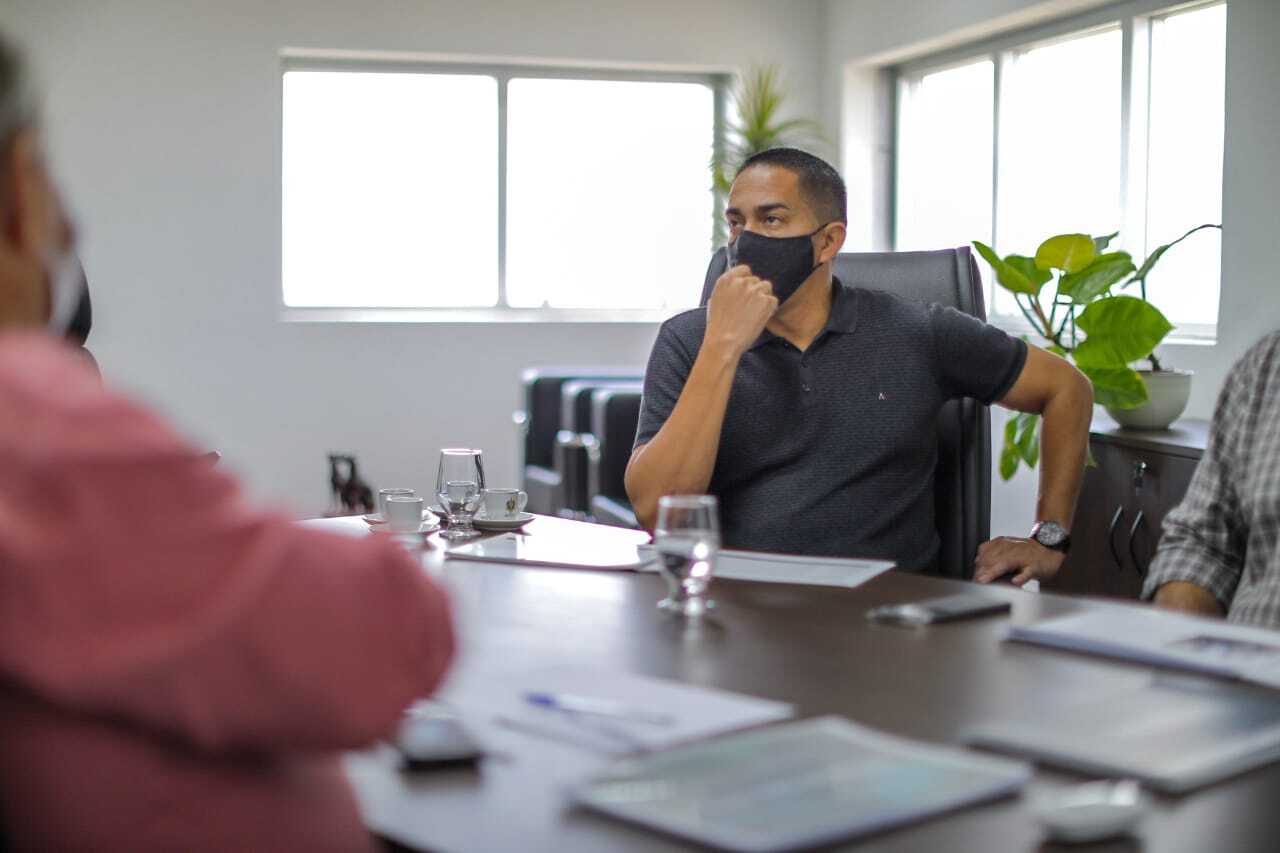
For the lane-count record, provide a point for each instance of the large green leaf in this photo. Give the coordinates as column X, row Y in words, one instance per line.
column 1010, row 275
column 1009, row 452
column 1097, row 278
column 1008, row 462
column 1120, row 329
column 1068, row 252
column 1118, row 387
column 1027, row 266
column 1028, row 440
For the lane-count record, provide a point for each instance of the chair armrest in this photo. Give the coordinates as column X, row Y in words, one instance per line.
column 615, row 513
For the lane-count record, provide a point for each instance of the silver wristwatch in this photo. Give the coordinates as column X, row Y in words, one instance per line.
column 1053, row 535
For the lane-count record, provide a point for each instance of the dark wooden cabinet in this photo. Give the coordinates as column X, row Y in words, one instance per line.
column 1139, row 476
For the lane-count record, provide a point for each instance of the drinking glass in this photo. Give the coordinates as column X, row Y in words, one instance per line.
column 460, row 488
column 687, row 539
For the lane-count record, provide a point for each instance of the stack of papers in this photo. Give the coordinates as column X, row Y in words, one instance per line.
column 797, row 785
column 1176, row 733
column 489, row 699
column 1161, row 638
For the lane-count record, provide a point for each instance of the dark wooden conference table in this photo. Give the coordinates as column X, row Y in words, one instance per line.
column 807, row 645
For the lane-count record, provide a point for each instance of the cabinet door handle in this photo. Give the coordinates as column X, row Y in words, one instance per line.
column 1139, row 476
column 1133, row 528
column 1111, row 537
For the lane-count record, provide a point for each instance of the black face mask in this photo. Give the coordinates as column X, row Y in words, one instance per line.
column 784, row 261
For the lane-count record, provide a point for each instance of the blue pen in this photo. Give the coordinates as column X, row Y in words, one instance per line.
column 596, row 707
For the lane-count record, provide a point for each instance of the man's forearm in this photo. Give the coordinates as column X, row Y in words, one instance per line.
column 682, row 456
column 1064, row 446
column 1189, row 598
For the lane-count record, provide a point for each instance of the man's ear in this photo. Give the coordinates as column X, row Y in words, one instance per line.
column 29, row 226
column 831, row 241
column 31, row 221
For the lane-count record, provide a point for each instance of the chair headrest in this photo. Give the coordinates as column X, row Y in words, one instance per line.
column 945, row 276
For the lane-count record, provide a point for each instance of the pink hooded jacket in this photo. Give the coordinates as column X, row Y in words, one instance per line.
column 177, row 670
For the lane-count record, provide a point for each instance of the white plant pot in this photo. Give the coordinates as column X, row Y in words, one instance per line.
column 1167, row 395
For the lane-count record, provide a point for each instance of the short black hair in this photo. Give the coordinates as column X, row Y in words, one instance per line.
column 821, row 184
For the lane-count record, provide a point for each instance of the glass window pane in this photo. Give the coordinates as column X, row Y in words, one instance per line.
column 390, row 189
column 609, row 199
column 944, row 158
column 1184, row 176
column 1060, row 144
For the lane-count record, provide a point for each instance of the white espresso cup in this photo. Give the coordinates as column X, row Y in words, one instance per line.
column 504, row 504
column 404, row 513
column 383, row 494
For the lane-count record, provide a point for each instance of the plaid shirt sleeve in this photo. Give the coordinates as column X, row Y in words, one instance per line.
column 1205, row 536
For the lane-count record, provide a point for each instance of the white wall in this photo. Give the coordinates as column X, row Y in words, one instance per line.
column 863, row 36
column 164, row 120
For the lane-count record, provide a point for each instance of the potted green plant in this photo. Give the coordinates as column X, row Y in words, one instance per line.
column 756, row 125
column 1068, row 293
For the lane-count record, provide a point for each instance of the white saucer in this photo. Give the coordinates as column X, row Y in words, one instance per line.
column 482, row 523
column 376, row 517
column 425, row 529
column 1091, row 812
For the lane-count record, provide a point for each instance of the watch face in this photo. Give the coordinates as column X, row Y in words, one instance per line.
column 1050, row 534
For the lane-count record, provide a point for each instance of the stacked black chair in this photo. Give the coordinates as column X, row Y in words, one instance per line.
column 614, row 415
column 540, row 421
column 575, row 443
column 962, row 487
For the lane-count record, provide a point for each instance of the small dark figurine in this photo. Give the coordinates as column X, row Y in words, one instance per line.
column 351, row 495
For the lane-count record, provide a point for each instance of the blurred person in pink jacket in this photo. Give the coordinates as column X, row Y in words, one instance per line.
column 178, row 671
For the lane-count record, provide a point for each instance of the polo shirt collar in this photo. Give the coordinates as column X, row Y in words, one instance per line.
column 842, row 319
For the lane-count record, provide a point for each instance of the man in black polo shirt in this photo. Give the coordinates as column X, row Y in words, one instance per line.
column 808, row 407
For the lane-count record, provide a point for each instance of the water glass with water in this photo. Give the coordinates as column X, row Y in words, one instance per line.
column 460, row 488
column 687, row 539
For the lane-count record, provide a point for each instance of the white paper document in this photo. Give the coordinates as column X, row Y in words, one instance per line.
column 352, row 525
column 651, row 713
column 787, row 568
column 590, row 547
column 1161, row 638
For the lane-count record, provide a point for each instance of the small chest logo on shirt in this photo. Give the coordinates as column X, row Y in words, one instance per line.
column 881, row 396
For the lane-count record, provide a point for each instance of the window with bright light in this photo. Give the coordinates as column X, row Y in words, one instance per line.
column 1081, row 143
column 400, row 190
column 1184, row 160
column 390, row 190
column 607, row 192
column 945, row 200
column 1063, row 176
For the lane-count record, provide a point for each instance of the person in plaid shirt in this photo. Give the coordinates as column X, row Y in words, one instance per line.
column 1219, row 551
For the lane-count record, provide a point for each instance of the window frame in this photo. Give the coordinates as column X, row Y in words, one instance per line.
column 718, row 79
column 1134, row 19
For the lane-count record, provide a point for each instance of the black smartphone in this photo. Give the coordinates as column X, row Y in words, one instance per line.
column 426, row 740
column 948, row 608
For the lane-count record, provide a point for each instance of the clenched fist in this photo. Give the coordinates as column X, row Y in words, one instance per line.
column 740, row 306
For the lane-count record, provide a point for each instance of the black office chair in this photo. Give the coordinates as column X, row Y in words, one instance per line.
column 575, row 443
column 962, row 481
column 615, row 412
column 539, row 422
